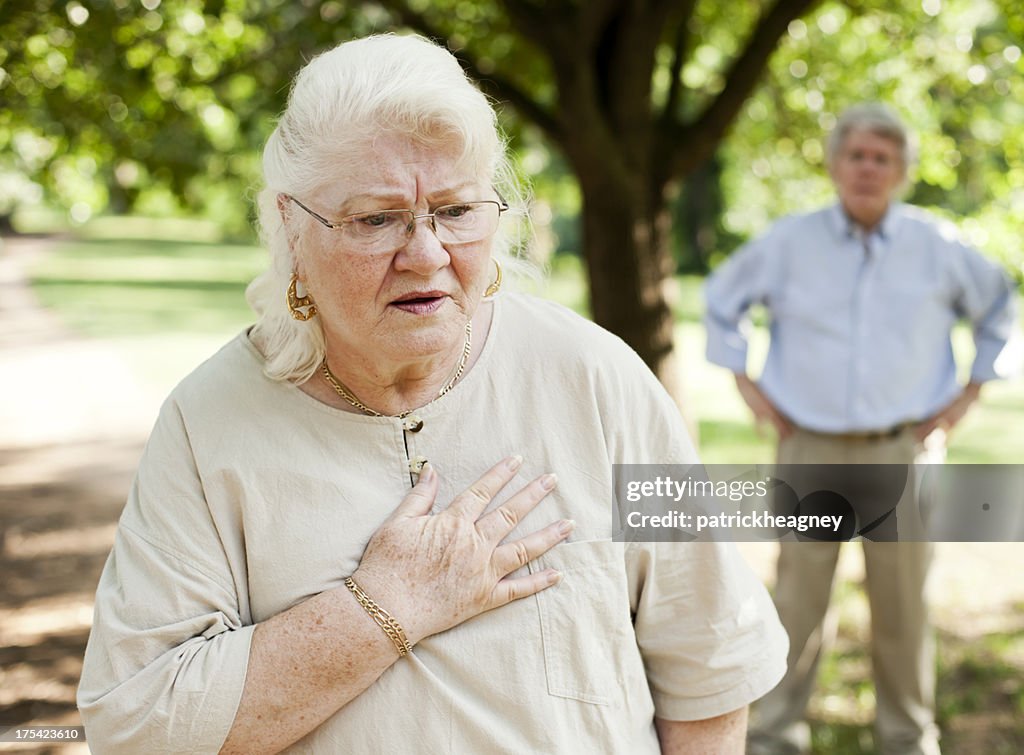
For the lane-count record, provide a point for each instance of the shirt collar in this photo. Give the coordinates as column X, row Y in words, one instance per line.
column 846, row 228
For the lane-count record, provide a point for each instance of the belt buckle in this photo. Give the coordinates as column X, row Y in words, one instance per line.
column 887, row 434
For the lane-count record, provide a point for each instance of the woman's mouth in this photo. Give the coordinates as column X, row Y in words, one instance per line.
column 424, row 303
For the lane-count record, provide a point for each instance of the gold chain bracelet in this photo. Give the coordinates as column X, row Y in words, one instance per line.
column 383, row 619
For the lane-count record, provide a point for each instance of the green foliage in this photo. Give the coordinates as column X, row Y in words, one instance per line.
column 163, row 106
column 157, row 106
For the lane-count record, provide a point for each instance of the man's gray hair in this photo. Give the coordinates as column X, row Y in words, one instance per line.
column 339, row 103
column 875, row 118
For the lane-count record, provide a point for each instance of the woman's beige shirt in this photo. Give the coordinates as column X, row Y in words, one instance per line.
column 252, row 497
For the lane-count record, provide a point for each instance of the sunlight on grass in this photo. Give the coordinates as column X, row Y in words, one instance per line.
column 116, row 288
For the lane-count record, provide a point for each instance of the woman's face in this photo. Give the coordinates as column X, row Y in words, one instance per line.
column 393, row 304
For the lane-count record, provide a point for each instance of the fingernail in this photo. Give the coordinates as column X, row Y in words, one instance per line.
column 515, row 462
column 427, row 472
column 566, row 526
column 549, row 481
column 554, row 578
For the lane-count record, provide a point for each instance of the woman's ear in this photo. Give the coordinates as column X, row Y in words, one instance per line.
column 282, row 210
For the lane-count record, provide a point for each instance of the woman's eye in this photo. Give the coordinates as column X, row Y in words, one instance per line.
column 374, row 220
column 455, row 211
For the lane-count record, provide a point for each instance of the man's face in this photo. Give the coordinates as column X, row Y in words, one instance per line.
column 867, row 172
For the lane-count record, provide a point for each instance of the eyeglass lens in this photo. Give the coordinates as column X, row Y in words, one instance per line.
column 453, row 224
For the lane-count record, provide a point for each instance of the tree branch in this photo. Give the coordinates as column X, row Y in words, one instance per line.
column 695, row 142
column 679, row 46
column 542, row 25
column 501, row 88
column 495, row 85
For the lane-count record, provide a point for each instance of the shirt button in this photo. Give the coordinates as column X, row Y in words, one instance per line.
column 412, row 423
column 416, row 464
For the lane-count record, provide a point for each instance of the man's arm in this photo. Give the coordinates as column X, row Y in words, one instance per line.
column 988, row 298
column 721, row 735
column 741, row 281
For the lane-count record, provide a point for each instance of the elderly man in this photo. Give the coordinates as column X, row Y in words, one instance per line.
column 862, row 296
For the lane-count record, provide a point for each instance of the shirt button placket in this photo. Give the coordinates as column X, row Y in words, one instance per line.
column 861, row 313
column 411, row 425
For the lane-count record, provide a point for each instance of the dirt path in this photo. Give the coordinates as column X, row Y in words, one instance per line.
column 72, row 425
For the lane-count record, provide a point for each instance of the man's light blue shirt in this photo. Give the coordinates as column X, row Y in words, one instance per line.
column 860, row 326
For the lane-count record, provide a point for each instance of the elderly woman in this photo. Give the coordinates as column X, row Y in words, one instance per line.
column 346, row 533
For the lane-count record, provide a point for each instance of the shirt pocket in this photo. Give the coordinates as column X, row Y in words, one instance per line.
column 585, row 621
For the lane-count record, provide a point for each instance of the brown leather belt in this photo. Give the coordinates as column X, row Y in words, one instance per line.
column 866, row 436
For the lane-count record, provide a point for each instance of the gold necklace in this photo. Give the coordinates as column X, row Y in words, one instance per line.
column 346, row 394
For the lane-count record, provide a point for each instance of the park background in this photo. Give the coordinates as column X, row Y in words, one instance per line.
column 129, row 141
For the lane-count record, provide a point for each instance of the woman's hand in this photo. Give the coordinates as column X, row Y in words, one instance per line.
column 432, row 572
column 429, row 572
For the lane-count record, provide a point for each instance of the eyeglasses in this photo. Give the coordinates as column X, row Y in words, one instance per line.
column 386, row 230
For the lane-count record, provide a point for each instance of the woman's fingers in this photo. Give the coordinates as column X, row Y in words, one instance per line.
column 511, row 556
column 498, row 523
column 510, row 589
column 420, row 499
column 472, row 502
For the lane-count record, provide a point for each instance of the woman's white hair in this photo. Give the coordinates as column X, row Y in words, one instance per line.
column 339, row 102
column 875, row 118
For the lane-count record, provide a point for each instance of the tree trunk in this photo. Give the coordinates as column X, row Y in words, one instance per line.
column 630, row 271
column 698, row 213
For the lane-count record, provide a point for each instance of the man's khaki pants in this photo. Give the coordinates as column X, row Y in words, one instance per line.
column 902, row 645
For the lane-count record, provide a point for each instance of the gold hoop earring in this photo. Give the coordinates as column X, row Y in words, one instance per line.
column 296, row 302
column 496, row 285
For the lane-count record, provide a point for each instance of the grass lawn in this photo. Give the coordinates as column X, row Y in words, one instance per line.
column 165, row 305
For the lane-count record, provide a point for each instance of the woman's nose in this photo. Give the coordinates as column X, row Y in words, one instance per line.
column 423, row 251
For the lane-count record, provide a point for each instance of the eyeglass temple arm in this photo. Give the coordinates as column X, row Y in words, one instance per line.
column 316, row 215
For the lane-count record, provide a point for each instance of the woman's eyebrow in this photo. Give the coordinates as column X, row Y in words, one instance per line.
column 385, row 200
column 373, row 201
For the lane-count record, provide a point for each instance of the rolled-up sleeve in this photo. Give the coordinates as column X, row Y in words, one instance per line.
column 988, row 299
column 706, row 628
column 167, row 656
column 730, row 291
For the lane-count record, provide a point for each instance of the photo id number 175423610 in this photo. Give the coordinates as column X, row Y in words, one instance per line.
column 42, row 733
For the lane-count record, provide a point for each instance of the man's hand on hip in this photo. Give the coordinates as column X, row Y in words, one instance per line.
column 763, row 409
column 951, row 414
